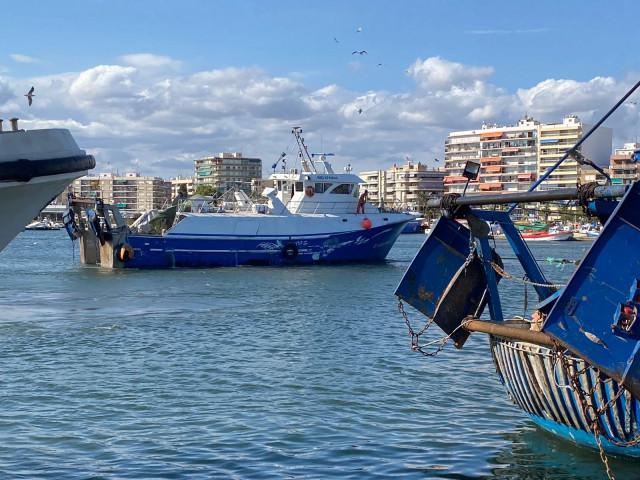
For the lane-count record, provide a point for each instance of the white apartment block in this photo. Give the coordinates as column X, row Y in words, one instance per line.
column 399, row 186
column 182, row 182
column 131, row 192
column 554, row 141
column 621, row 167
column 513, row 157
column 507, row 155
column 227, row 170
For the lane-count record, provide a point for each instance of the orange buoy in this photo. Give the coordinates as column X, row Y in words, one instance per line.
column 366, row 224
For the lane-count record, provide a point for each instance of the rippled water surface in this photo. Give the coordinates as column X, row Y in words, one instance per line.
column 252, row 373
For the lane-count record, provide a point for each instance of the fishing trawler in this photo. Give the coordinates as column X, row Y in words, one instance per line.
column 572, row 367
column 35, row 166
column 312, row 215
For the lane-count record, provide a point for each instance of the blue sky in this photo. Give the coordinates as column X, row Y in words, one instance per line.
column 152, row 85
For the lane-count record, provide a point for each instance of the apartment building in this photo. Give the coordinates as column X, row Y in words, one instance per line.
column 554, row 141
column 227, row 170
column 512, row 158
column 131, row 192
column 507, row 154
column 177, row 183
column 400, row 186
column 623, row 168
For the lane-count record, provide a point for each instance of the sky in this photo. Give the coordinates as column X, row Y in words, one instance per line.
column 150, row 86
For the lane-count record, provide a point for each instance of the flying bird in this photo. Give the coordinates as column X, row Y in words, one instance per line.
column 30, row 95
column 359, row 111
column 436, row 160
column 379, row 65
column 336, row 40
column 359, row 30
column 361, row 52
column 633, row 103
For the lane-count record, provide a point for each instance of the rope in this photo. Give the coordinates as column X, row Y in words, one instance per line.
column 524, row 281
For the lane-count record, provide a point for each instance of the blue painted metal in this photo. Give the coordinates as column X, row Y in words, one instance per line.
column 167, row 251
column 587, row 316
column 538, row 384
column 594, row 317
column 443, row 282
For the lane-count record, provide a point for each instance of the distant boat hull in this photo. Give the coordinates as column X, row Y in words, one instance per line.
column 546, row 237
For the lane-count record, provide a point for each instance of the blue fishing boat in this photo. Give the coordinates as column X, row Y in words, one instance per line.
column 573, row 366
column 311, row 215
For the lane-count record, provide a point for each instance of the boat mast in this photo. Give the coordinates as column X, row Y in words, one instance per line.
column 305, row 158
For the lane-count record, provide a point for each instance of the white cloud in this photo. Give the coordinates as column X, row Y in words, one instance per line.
column 148, row 60
column 438, row 74
column 17, row 57
column 143, row 111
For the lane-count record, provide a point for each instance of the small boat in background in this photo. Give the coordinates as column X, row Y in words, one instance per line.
column 35, row 166
column 44, row 224
column 548, row 236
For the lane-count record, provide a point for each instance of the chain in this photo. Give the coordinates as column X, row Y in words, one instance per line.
column 524, row 281
column 415, row 346
column 591, row 413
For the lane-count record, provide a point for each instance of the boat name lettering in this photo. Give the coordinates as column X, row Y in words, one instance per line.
column 325, row 177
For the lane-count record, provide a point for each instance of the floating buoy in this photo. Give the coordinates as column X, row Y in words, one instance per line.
column 366, row 224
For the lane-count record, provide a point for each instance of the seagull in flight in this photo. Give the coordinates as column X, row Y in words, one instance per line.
column 359, row 111
column 30, row 95
column 336, row 40
column 436, row 160
column 633, row 103
column 359, row 30
column 361, row 52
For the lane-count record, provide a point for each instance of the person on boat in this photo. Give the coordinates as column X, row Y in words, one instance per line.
column 361, row 202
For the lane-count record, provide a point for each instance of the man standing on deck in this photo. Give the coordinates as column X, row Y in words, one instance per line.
column 361, row 201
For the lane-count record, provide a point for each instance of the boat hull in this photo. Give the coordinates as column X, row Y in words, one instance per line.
column 35, row 166
column 548, row 237
column 211, row 250
column 538, row 384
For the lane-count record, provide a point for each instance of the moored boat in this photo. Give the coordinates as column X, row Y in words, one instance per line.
column 35, row 166
column 574, row 366
column 313, row 215
column 44, row 224
column 542, row 236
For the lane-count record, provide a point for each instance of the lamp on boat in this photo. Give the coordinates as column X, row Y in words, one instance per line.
column 471, row 170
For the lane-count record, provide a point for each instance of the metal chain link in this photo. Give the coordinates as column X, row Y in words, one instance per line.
column 524, row 281
column 591, row 413
column 415, row 346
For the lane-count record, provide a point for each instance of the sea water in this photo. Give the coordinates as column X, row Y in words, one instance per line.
column 254, row 373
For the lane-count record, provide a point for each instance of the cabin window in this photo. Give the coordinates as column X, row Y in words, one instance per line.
column 323, row 187
column 299, row 186
column 343, row 188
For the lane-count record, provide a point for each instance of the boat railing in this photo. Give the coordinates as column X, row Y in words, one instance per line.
column 336, row 208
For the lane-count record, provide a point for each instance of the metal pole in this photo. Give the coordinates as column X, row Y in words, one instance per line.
column 607, row 191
